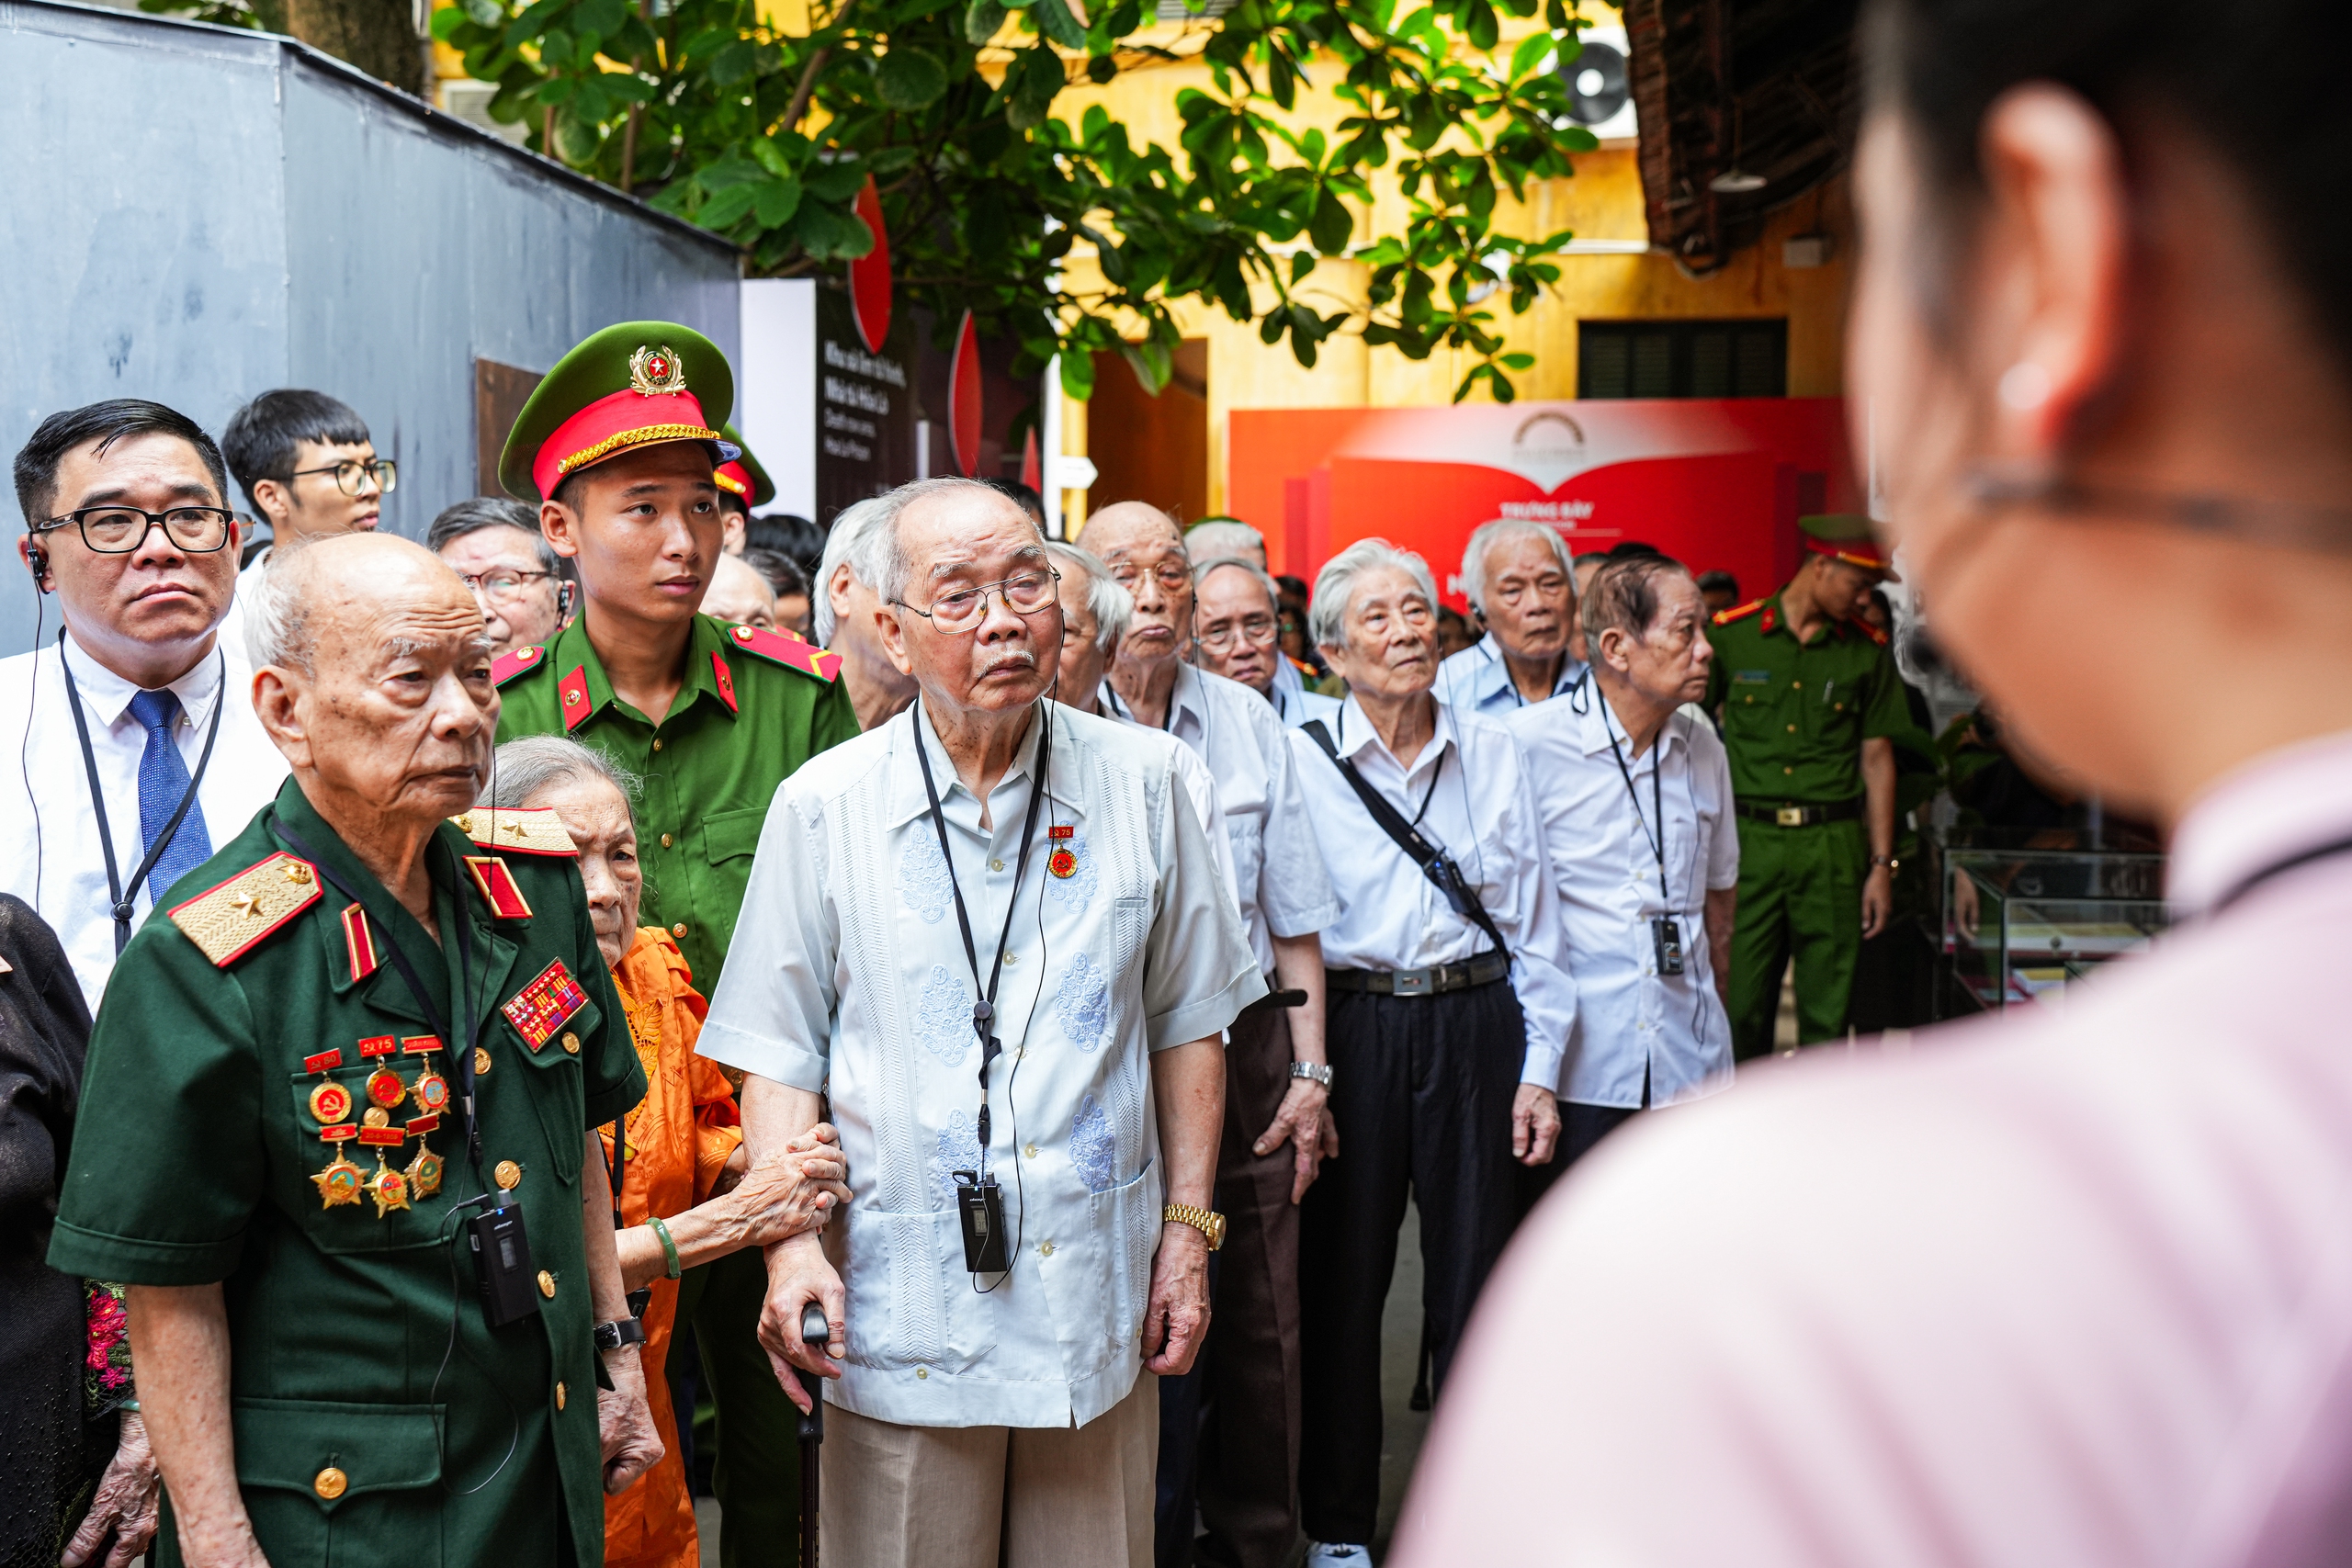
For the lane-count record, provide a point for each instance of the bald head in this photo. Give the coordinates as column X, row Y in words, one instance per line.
column 1125, row 523
column 310, row 587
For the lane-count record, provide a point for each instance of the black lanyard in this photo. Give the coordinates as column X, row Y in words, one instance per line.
column 1435, row 773
column 461, row 1045
column 984, row 1009
column 1167, row 720
column 126, row 899
column 1658, row 794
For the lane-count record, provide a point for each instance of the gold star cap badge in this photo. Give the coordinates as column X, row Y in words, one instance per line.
column 655, row 372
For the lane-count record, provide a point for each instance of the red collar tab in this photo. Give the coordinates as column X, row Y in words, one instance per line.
column 1867, row 629
column 576, row 707
column 778, row 648
column 359, row 942
column 498, row 889
column 515, row 662
column 725, row 677
column 1771, row 618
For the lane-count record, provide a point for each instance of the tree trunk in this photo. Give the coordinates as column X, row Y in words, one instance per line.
column 378, row 36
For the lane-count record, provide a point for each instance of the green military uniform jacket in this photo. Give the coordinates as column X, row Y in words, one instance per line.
column 376, row 1419
column 754, row 706
column 1795, row 715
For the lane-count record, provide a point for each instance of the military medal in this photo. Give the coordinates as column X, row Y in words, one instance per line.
column 329, row 1101
column 544, row 1006
column 340, row 1183
column 384, row 1086
column 430, row 1090
column 423, row 1172
column 1063, row 861
column 388, row 1187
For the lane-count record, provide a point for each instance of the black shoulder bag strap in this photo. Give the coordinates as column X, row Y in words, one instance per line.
column 1434, row 863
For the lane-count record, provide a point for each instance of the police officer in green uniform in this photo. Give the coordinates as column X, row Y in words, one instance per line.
column 1808, row 699
column 623, row 448
column 275, row 1152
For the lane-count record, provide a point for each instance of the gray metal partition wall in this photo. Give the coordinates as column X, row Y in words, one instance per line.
column 196, row 214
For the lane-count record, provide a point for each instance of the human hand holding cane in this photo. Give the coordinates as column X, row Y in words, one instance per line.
column 813, row 1327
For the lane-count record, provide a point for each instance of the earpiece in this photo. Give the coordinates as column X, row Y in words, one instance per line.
column 37, row 558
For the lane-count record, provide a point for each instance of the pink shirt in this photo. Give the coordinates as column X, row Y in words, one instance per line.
column 2071, row 1288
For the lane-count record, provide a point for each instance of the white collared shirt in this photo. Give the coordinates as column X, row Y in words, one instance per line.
column 1293, row 702
column 1277, row 865
column 1478, row 680
column 1200, row 790
column 50, row 850
column 1481, row 812
column 233, row 627
column 1633, row 1023
column 848, row 976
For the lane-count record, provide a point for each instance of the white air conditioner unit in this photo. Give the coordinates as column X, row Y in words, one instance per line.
column 1600, row 86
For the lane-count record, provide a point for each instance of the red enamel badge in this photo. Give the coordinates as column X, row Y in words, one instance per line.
column 726, row 679
column 546, row 1005
column 378, row 1045
column 574, row 688
column 323, row 1061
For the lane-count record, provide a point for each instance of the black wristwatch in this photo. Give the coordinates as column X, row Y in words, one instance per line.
column 619, row 1332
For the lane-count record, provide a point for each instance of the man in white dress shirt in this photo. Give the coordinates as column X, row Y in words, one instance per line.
column 1276, row 1076
column 1446, row 1037
column 1016, row 1105
column 1222, row 538
column 1517, row 576
column 1636, row 795
column 309, row 470
column 1237, row 633
column 126, row 506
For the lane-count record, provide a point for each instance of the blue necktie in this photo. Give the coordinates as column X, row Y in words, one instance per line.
column 162, row 781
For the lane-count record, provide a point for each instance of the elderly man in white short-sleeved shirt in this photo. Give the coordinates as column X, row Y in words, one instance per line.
column 1517, row 574
column 1446, row 1040
column 1635, row 796
column 1063, row 1069
column 1276, row 1076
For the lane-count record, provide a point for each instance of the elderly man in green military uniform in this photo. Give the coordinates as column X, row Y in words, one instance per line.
column 1808, row 699
column 623, row 447
column 375, row 1015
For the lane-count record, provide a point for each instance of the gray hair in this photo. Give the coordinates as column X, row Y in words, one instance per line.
column 1113, row 607
column 1222, row 539
column 897, row 568
column 277, row 622
column 1623, row 594
column 522, row 768
column 1326, row 617
column 495, row 512
column 1241, row 563
column 1487, row 534
column 852, row 542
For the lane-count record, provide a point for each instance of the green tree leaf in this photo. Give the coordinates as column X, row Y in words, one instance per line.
column 981, row 20
column 910, row 78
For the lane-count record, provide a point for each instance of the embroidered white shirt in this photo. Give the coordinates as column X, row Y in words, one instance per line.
column 848, row 976
column 1478, row 680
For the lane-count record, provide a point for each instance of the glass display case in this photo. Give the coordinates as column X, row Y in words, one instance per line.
column 2024, row 914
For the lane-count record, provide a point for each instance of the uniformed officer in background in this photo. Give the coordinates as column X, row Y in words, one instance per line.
column 1809, row 699
column 742, row 485
column 275, row 1148
column 621, row 447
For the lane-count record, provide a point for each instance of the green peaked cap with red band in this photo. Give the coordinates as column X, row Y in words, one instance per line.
column 1847, row 536
column 633, row 384
column 744, row 476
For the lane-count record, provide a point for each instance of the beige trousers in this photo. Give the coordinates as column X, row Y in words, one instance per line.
column 976, row 1496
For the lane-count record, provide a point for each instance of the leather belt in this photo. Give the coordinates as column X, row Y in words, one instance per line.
column 1433, row 981
column 1799, row 813
column 1275, row 998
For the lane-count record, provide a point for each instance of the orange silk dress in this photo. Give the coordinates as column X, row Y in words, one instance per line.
column 679, row 1136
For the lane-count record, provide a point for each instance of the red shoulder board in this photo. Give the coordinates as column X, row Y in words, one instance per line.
column 1867, row 629
column 226, row 921
column 778, row 648
column 1738, row 613
column 506, row 666
column 725, row 677
column 574, row 688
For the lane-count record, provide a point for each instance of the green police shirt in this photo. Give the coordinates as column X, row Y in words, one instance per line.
column 1795, row 715
column 247, row 1037
column 754, row 706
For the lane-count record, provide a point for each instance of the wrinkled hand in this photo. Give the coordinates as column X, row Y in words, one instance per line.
column 125, row 1504
column 792, row 1191
column 625, row 1422
column 731, row 1175
column 1878, row 900
column 798, row 1272
column 1534, row 1125
column 1177, row 1319
column 1301, row 1123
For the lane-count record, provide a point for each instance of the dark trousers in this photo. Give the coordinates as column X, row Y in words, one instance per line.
column 1229, row 1428
column 1581, row 1128
column 1422, row 1091
column 757, row 1474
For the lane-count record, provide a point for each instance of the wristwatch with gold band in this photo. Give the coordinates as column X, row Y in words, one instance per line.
column 1211, row 1225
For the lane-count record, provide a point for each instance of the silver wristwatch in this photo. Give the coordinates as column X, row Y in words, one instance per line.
column 1320, row 1072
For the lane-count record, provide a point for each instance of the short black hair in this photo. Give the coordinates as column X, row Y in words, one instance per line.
column 262, row 437
column 105, row 424
column 1709, row 581
column 731, row 500
column 1624, row 548
column 1028, row 500
column 783, row 573
column 792, row 537
column 1294, row 586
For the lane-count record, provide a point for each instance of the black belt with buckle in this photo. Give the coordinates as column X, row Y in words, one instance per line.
column 1799, row 813
column 1275, row 998
column 1434, row 981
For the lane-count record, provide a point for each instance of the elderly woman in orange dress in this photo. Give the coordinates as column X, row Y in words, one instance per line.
column 687, row 1193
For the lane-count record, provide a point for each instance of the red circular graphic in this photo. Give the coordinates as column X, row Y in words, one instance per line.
column 1062, row 864
column 384, row 1087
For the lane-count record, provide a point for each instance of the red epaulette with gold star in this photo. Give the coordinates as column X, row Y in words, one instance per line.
column 519, row 661
column 515, row 830
column 226, row 922
column 1867, row 629
column 1740, row 612
column 789, row 651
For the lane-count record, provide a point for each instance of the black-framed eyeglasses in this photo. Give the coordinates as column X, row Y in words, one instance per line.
column 1024, row 594
column 119, row 530
column 349, row 474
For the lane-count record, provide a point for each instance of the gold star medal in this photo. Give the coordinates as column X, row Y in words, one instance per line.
column 340, row 1182
column 388, row 1187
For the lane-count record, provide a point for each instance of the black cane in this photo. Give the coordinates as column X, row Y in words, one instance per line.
column 816, row 1331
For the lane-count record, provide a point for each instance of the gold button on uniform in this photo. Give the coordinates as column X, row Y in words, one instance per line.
column 665, row 840
column 1788, row 770
column 547, row 1284
column 1792, row 729
column 678, row 930
column 481, row 1060
column 330, row 1483
column 570, row 1043
column 657, row 743
column 1793, row 686
column 508, row 1174
column 558, row 1396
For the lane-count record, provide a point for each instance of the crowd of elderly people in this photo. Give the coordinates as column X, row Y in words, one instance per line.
column 1103, row 984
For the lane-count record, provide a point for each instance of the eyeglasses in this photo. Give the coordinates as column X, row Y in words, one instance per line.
column 119, row 530
column 1257, row 630
column 1172, row 576
column 503, row 583
column 351, row 474
column 1024, row 595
